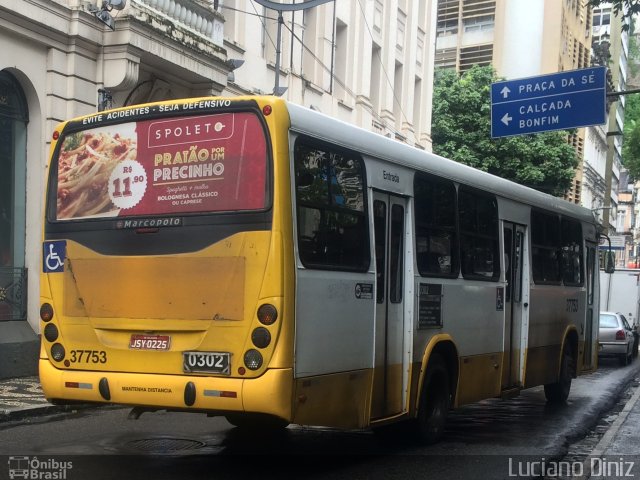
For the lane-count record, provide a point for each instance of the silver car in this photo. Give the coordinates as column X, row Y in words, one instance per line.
column 616, row 337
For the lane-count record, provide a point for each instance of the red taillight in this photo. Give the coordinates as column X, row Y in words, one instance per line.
column 267, row 314
column 46, row 312
column 620, row 335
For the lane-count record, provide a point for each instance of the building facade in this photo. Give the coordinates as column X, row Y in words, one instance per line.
column 368, row 62
column 607, row 190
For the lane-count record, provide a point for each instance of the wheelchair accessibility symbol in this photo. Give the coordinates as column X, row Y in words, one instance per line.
column 53, row 256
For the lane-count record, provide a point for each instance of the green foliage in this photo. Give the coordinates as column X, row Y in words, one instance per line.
column 631, row 152
column 631, row 140
column 461, row 131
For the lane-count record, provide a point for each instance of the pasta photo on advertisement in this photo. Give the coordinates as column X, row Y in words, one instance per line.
column 85, row 163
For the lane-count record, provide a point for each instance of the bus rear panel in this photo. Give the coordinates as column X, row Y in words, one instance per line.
column 162, row 261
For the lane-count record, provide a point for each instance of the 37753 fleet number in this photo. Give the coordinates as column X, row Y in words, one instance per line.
column 88, row 356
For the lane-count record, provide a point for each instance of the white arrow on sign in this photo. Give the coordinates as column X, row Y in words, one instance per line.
column 505, row 92
column 506, row 119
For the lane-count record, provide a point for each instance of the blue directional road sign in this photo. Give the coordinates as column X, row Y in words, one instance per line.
column 571, row 99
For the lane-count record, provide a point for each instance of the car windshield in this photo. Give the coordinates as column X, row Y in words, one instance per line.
column 608, row 321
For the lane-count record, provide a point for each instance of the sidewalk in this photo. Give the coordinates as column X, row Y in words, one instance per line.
column 22, row 397
column 617, row 454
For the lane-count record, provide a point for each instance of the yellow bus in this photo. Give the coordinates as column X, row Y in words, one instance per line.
column 254, row 259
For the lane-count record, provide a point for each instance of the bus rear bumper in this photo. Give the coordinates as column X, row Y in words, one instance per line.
column 269, row 394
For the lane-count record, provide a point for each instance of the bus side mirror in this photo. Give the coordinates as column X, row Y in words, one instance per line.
column 609, row 261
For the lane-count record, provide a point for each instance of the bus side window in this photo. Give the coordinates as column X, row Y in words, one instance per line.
column 478, row 214
column 571, row 259
column 330, row 202
column 436, row 232
column 545, row 247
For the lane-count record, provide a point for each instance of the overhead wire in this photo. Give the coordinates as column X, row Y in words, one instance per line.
column 395, row 97
column 262, row 17
column 338, row 80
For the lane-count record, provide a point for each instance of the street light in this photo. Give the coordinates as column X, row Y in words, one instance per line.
column 103, row 13
column 233, row 64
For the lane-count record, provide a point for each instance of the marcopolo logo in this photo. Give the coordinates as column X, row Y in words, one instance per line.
column 38, row 469
column 149, row 222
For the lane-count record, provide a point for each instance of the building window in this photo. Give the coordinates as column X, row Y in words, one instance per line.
column 420, row 48
column 479, row 24
column 400, row 32
column 377, row 16
column 341, row 59
column 601, row 17
column 447, row 22
column 447, row 27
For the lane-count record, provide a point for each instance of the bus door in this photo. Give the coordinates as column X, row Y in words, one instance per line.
column 513, row 302
column 592, row 310
column 389, row 232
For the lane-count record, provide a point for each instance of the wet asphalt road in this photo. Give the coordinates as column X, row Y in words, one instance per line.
column 484, row 440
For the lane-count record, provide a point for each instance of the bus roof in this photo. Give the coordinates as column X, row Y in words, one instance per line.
column 324, row 127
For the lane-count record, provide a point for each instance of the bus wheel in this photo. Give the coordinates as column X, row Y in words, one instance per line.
column 434, row 402
column 247, row 421
column 558, row 392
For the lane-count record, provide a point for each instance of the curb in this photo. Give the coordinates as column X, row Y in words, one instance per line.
column 610, row 434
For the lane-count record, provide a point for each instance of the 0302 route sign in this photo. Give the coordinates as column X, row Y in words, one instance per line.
column 570, row 99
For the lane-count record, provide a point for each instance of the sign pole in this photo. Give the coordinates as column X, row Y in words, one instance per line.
column 276, row 88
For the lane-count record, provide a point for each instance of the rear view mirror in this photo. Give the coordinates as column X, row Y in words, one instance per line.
column 608, row 257
column 609, row 261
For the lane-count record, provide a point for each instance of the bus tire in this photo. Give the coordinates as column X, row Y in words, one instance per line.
column 558, row 392
column 435, row 400
column 247, row 421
